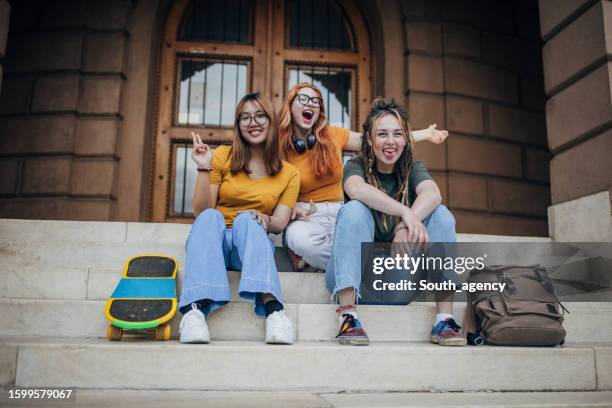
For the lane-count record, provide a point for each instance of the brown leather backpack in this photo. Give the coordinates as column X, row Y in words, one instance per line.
column 526, row 313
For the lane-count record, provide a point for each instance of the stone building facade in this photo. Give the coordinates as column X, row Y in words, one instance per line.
column 87, row 91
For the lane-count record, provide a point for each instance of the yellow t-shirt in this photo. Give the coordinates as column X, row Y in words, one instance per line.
column 329, row 187
column 239, row 192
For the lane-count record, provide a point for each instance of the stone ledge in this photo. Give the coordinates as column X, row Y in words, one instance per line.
column 381, row 366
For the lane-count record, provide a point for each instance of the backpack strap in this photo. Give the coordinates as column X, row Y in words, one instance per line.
column 475, row 339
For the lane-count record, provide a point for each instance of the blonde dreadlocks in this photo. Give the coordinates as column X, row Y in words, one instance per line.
column 403, row 166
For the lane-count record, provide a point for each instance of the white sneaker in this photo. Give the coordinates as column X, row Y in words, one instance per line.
column 279, row 329
column 193, row 327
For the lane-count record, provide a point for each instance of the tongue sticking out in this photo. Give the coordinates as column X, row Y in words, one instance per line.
column 389, row 154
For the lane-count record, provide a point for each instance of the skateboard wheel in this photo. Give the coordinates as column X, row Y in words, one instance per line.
column 162, row 332
column 114, row 333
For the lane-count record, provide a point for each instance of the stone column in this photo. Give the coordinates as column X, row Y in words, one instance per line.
column 5, row 13
column 578, row 83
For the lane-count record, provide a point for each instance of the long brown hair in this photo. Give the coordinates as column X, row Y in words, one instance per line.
column 402, row 167
column 325, row 158
column 241, row 152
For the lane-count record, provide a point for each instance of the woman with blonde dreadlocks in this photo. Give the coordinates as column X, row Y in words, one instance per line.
column 391, row 198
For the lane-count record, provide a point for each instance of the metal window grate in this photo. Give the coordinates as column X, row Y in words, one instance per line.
column 210, row 90
column 218, row 21
column 317, row 24
column 184, row 179
column 335, row 85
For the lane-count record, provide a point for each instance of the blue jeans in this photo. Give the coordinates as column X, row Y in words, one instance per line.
column 212, row 249
column 355, row 225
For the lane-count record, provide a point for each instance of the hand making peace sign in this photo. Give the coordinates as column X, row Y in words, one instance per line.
column 201, row 153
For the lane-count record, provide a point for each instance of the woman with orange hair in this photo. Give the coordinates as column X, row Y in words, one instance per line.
column 313, row 146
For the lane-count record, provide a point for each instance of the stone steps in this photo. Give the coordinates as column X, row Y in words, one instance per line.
column 55, row 277
column 51, row 269
column 321, row 366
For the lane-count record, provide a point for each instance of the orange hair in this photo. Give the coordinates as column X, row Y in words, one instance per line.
column 325, row 158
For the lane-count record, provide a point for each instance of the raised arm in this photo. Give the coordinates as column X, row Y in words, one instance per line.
column 204, row 193
column 431, row 133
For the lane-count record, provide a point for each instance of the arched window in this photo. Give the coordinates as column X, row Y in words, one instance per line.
column 214, row 52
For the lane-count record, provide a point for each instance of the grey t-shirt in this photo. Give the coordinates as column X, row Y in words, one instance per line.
column 418, row 173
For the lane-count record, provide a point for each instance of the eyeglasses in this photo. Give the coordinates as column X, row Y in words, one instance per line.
column 305, row 100
column 246, row 119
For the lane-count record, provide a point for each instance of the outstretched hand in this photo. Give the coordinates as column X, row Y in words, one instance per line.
column 437, row 136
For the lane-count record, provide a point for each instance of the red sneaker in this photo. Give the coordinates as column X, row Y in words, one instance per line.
column 447, row 333
column 351, row 333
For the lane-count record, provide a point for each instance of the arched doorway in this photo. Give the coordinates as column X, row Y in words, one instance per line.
column 214, row 52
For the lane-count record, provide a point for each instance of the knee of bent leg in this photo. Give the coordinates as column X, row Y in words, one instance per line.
column 243, row 219
column 355, row 212
column 209, row 215
column 443, row 217
column 296, row 234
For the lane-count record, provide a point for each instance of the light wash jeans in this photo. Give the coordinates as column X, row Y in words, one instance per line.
column 355, row 225
column 212, row 249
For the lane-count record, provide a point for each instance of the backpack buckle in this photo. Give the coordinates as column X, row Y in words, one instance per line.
column 475, row 339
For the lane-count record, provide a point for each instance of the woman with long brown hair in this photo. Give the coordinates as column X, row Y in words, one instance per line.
column 313, row 146
column 242, row 192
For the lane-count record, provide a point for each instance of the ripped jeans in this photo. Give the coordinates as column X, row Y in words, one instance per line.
column 354, row 225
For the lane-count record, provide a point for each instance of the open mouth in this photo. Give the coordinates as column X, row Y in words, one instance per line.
column 389, row 153
column 255, row 132
column 307, row 114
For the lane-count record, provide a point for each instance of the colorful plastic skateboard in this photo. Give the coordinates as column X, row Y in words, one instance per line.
column 145, row 298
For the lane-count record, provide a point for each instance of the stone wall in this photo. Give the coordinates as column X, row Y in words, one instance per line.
column 76, row 106
column 61, row 108
column 578, row 82
column 474, row 67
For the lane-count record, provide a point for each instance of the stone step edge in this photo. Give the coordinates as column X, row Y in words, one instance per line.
column 160, row 233
column 122, row 397
column 311, row 322
column 578, row 306
column 577, row 367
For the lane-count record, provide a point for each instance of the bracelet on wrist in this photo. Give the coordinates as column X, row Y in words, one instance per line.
column 207, row 170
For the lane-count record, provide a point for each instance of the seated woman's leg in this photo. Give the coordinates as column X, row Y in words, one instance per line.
column 253, row 253
column 312, row 239
column 205, row 285
column 440, row 225
column 354, row 225
column 308, row 239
